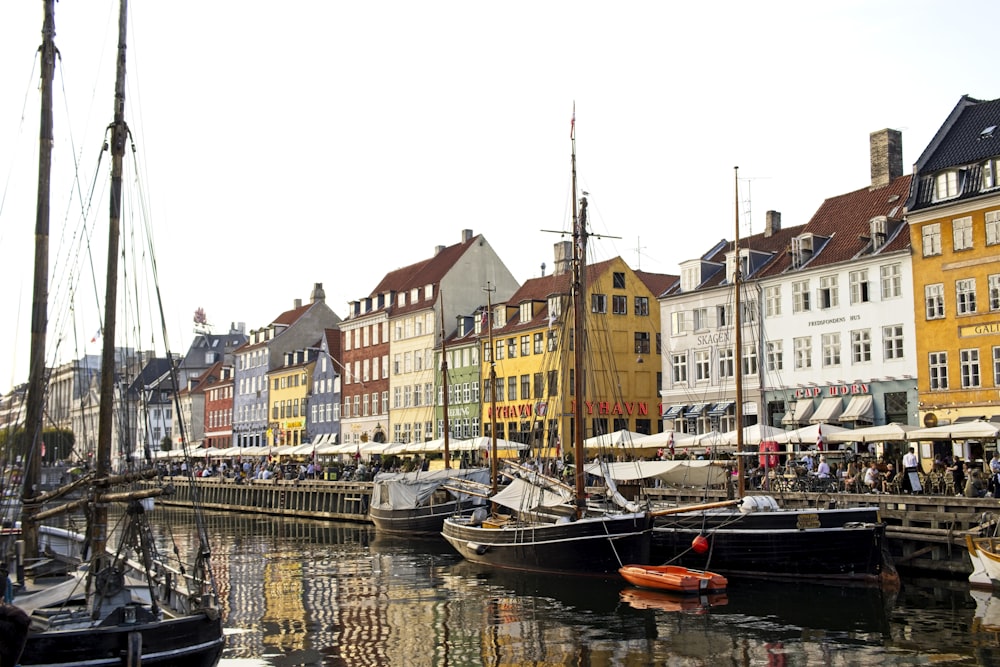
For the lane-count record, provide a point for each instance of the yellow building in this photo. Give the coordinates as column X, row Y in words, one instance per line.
column 527, row 347
column 954, row 216
column 288, row 399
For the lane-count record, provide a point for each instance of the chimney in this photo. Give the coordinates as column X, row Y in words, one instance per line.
column 297, row 304
column 438, row 249
column 563, row 252
column 886, row 156
column 466, row 235
column 772, row 223
column 318, row 294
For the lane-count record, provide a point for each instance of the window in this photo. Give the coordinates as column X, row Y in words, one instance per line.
column 700, row 317
column 598, row 303
column 861, row 346
column 996, row 366
column 553, row 341
column 800, row 296
column 726, row 363
column 829, row 296
column 407, row 396
column 775, row 355
column 961, row 231
column 512, row 348
column 679, row 368
column 642, row 342
column 512, row 388
column 993, row 283
column 723, row 315
column 969, row 360
column 831, row 349
column 619, row 304
column 931, row 237
column 992, row 227
column 965, row 296
column 934, row 301
column 859, row 286
column 892, row 281
column 525, row 387
column 989, row 172
column 539, row 382
column 702, row 369
column 525, row 345
column 499, row 346
column 677, row 323
column 618, row 280
column 892, row 341
column 803, row 353
column 553, row 381
column 772, row 301
column 641, row 306
column 946, row 185
column 749, row 360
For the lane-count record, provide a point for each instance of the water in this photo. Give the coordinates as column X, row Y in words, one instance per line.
column 319, row 593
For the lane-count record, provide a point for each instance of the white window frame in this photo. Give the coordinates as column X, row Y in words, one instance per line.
column 859, row 287
column 891, row 276
column 931, row 239
column 992, row 227
column 934, row 301
column 775, row 355
column 937, row 367
column 831, row 349
column 965, row 296
column 892, row 342
column 772, row 301
column 829, row 294
column 961, row 233
column 970, row 370
column 703, row 365
column 800, row 296
column 861, row 346
column 803, row 352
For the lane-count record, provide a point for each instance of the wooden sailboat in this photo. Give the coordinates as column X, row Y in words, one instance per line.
column 754, row 537
column 122, row 606
column 547, row 525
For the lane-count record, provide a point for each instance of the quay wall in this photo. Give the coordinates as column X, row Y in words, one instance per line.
column 926, row 532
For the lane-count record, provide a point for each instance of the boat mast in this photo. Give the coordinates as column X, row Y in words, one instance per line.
column 119, row 131
column 444, row 385
column 493, row 390
column 738, row 342
column 579, row 282
column 40, row 293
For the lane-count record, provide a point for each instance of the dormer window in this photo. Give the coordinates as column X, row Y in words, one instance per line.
column 989, row 174
column 555, row 308
column 731, row 265
column 414, row 295
column 802, row 250
column 690, row 278
column 946, row 185
column 525, row 314
column 877, row 227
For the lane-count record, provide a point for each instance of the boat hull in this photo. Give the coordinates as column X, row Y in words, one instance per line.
column 417, row 521
column 195, row 640
column 815, row 544
column 597, row 545
column 985, row 555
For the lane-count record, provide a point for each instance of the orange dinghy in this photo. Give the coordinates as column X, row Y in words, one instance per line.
column 673, row 578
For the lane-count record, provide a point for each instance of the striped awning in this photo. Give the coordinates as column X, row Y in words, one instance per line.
column 674, row 411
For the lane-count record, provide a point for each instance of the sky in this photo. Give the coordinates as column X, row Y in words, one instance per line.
column 287, row 144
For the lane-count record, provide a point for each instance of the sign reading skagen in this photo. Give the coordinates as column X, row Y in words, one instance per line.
column 985, row 329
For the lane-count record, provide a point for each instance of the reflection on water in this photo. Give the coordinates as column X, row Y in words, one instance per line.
column 320, row 593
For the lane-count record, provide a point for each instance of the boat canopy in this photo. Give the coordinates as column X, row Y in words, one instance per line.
column 678, row 473
column 408, row 490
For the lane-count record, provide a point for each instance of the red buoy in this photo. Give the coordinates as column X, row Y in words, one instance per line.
column 699, row 544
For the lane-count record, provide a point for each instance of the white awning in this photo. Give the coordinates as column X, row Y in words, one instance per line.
column 828, row 411
column 860, row 409
column 803, row 411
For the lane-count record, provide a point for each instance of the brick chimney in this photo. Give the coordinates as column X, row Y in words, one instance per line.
column 886, row 156
column 318, row 294
column 772, row 223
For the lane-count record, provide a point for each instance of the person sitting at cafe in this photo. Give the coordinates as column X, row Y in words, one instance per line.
column 872, row 477
column 823, row 470
column 888, row 478
column 974, row 487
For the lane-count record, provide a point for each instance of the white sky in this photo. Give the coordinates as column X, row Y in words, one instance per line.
column 320, row 141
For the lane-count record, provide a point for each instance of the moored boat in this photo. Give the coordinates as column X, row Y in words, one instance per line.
column 417, row 503
column 673, row 578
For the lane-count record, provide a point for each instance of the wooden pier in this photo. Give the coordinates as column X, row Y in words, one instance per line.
column 926, row 532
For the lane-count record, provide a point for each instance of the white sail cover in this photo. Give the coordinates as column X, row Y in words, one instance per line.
column 680, row 473
column 521, row 495
column 407, row 490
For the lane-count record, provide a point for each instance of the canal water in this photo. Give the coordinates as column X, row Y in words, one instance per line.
column 322, row 593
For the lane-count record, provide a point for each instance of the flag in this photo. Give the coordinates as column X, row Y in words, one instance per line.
column 357, row 453
column 484, row 322
column 819, row 437
column 670, row 445
column 96, row 337
column 552, row 319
